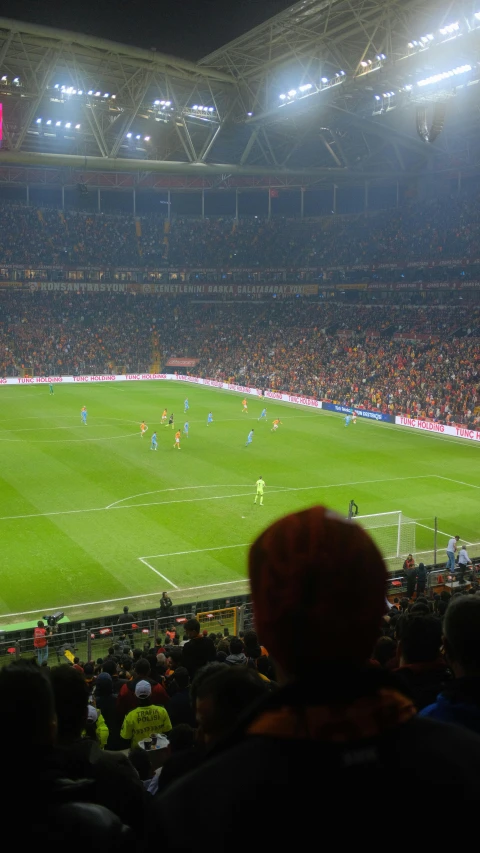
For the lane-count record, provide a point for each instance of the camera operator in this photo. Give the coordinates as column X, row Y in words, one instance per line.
column 40, row 642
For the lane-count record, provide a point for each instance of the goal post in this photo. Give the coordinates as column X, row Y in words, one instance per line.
column 393, row 533
column 216, row 620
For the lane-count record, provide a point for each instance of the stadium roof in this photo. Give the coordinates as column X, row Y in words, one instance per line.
column 326, row 91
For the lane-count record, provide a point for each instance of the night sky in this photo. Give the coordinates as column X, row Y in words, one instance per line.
column 186, row 28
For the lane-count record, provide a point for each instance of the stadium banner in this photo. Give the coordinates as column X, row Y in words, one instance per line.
column 443, row 429
column 362, row 413
column 182, row 362
column 292, row 398
column 183, row 289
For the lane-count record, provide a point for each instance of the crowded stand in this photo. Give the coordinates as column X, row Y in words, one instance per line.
column 422, row 361
column 430, row 233
column 143, row 735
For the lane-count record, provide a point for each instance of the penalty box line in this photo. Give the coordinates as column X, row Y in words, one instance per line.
column 145, row 560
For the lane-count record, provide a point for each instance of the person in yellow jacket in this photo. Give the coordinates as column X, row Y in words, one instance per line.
column 96, row 727
column 147, row 719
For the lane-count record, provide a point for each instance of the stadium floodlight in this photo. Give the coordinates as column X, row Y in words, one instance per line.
column 377, row 97
column 129, row 135
column 147, row 139
column 477, row 16
column 249, row 114
column 80, row 91
column 90, row 92
column 342, row 73
column 68, row 124
column 97, row 94
column 305, row 87
column 195, row 107
column 444, row 75
column 430, row 36
column 292, row 93
column 324, row 79
column 58, row 124
column 282, row 97
column 410, row 45
column 211, row 109
column 106, row 95
column 49, row 121
column 168, row 103
column 408, row 88
column 156, row 103
column 77, row 127
column 113, row 97
column 57, row 85
column 39, row 121
column 138, row 136
column 16, row 79
column 450, row 29
column 380, row 56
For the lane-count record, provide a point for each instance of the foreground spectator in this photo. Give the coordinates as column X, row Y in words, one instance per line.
column 115, row 782
column 351, row 726
column 422, row 668
column 127, row 698
column 199, row 650
column 459, row 702
column 63, row 811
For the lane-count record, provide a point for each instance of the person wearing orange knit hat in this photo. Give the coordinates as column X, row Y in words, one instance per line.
column 327, row 753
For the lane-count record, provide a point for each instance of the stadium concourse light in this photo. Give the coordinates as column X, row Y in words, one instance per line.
column 444, row 75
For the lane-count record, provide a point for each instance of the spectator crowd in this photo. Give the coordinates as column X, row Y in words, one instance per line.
column 427, row 232
column 347, row 698
column 418, row 360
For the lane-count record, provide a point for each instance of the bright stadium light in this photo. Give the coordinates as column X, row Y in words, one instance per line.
column 156, row 103
column 377, row 98
column 444, row 75
column 249, row 114
column 147, row 139
column 16, row 79
column 168, row 103
column 77, row 127
column 292, row 93
column 57, row 85
column 106, row 95
column 449, row 29
column 68, row 124
column 305, row 87
column 129, row 135
column 477, row 16
column 58, row 124
column 90, row 92
column 80, row 91
column 380, row 56
column 324, row 79
column 113, row 97
column 138, row 136
column 97, row 94
column 195, row 107
column 282, row 97
column 39, row 121
column 49, row 121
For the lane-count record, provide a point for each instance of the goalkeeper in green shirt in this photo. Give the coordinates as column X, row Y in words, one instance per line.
column 260, row 484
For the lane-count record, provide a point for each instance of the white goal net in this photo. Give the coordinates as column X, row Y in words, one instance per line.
column 393, row 533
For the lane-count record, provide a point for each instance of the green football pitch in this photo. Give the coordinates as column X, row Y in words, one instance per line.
column 91, row 518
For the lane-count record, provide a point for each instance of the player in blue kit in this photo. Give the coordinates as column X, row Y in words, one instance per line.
column 263, row 415
column 185, row 428
column 153, row 445
column 347, row 420
column 210, row 418
column 83, row 415
column 249, row 438
column 186, row 406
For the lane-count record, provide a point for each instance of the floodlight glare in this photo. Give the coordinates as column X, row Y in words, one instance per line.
column 106, row 95
column 16, row 79
column 138, row 136
column 282, row 97
column 90, row 92
column 68, row 124
column 58, row 124
column 129, row 135
column 49, row 121
column 444, row 75
column 77, row 127
column 55, row 87
column 195, row 107
column 477, row 16
column 147, row 139
column 97, row 94
column 292, row 93
column 448, row 30
column 324, row 79
column 39, row 120
column 210, row 109
column 168, row 103
column 249, row 114
column 80, row 91
column 378, row 98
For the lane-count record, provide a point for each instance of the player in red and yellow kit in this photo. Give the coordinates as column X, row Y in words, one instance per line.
column 276, row 423
column 164, row 416
column 143, row 428
column 177, row 440
column 244, row 404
